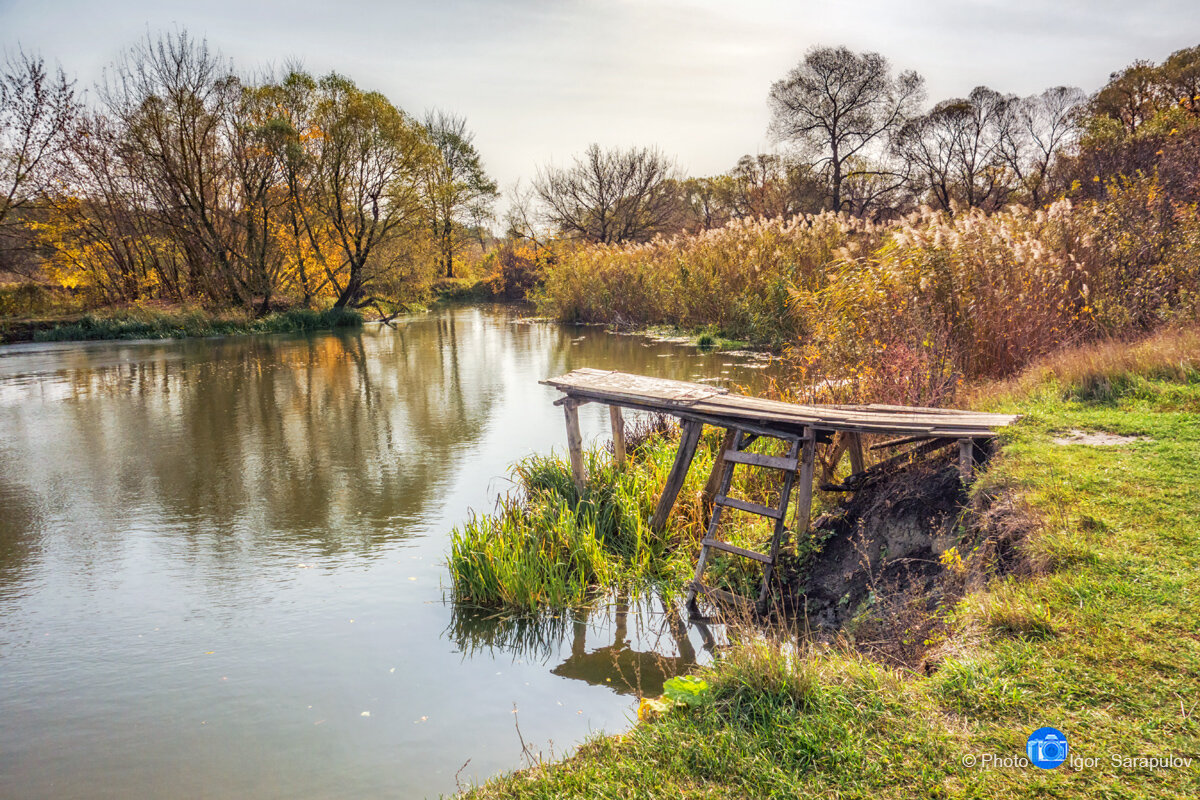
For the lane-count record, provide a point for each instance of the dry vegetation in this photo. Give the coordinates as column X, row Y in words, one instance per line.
column 907, row 311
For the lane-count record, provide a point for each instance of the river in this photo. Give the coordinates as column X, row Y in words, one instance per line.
column 222, row 561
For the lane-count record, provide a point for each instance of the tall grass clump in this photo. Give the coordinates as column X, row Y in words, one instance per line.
column 1104, row 370
column 764, row 670
column 550, row 545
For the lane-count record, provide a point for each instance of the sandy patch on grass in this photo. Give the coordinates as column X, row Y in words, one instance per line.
column 1095, row 438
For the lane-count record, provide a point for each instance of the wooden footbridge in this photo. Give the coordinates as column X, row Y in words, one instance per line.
column 840, row 429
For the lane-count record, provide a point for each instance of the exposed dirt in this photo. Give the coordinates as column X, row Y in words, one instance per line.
column 877, row 570
column 1096, row 438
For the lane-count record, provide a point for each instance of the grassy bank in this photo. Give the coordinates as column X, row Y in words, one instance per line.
column 1101, row 642
column 157, row 323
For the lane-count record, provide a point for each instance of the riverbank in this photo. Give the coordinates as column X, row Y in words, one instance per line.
column 1098, row 639
column 140, row 322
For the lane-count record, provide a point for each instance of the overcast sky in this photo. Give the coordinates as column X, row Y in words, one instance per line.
column 538, row 81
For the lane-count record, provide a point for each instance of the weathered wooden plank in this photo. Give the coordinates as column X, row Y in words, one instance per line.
column 683, row 460
column 746, row 505
column 805, row 492
column 919, row 450
column 898, row 442
column 833, row 455
column 712, row 487
column 854, row 444
column 684, row 399
column 720, row 596
column 759, row 460
column 618, row 434
column 575, row 445
column 966, row 458
column 724, row 407
column 738, row 551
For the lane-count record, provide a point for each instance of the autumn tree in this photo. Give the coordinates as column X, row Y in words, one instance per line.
column 457, row 190
column 611, row 195
column 37, row 108
column 774, row 185
column 841, row 109
column 1145, row 120
column 369, row 160
column 706, row 201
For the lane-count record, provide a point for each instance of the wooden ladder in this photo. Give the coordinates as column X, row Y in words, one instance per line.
column 800, row 456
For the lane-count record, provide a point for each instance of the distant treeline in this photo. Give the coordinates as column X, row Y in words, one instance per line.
column 179, row 179
column 857, row 139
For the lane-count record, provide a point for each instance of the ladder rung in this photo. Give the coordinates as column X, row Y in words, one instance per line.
column 754, row 459
column 753, row 508
column 721, row 594
column 738, row 551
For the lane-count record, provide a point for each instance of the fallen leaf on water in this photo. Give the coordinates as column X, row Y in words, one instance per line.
column 365, row 714
column 419, row 721
column 210, row 652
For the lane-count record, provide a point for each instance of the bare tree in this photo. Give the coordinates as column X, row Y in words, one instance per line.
column 520, row 218
column 1044, row 125
column 611, row 195
column 842, row 108
column 36, row 110
column 961, row 150
column 172, row 99
column 458, row 192
column 101, row 228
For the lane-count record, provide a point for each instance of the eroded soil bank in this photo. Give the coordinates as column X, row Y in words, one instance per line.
column 880, row 568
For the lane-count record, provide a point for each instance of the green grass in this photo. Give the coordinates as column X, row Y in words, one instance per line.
column 146, row 323
column 1104, row 644
column 550, row 546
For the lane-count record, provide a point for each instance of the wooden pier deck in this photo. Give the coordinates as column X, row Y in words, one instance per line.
column 841, row 429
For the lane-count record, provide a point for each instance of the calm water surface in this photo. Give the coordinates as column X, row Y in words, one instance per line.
column 222, row 562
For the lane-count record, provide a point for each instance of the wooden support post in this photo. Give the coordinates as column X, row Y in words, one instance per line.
column 854, row 442
column 804, row 498
column 575, row 444
column 833, row 455
column 966, row 458
column 618, row 434
column 714, row 477
column 683, row 460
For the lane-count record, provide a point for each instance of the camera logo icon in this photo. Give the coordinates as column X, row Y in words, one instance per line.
column 1047, row 748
